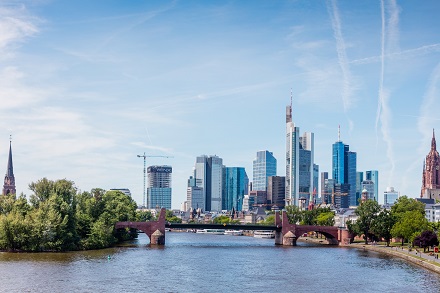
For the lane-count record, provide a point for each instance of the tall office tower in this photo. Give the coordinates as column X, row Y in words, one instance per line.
column 9, row 183
column 276, row 190
column 264, row 165
column 373, row 175
column 209, row 176
column 390, row 196
column 125, row 191
column 431, row 173
column 194, row 195
column 368, row 188
column 235, row 187
column 359, row 179
column 316, row 199
column 344, row 172
column 324, row 176
column 328, row 193
column 159, row 187
column 299, row 163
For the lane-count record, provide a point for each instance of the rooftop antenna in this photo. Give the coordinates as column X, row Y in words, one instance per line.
column 339, row 132
column 291, row 98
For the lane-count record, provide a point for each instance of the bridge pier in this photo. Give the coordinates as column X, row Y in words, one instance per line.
column 289, row 239
column 157, row 238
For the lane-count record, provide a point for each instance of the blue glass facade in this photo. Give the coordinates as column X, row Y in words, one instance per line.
column 264, row 165
column 344, row 173
column 235, row 187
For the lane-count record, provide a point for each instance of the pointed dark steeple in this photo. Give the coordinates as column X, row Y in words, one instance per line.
column 433, row 144
column 9, row 183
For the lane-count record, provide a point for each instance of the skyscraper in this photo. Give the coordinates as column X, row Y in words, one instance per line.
column 209, row 176
column 373, row 175
column 324, row 176
column 344, row 173
column 264, row 165
column 9, row 183
column 235, row 187
column 159, row 187
column 276, row 191
column 431, row 173
column 299, row 162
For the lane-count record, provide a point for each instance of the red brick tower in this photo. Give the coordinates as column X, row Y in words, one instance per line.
column 9, row 185
column 431, row 173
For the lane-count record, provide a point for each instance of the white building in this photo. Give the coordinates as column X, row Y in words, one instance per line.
column 390, row 196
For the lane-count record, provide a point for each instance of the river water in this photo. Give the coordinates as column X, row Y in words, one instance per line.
column 213, row 263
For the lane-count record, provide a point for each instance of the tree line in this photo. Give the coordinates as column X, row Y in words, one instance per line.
column 58, row 217
column 405, row 220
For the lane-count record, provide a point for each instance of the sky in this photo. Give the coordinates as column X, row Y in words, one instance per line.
column 86, row 86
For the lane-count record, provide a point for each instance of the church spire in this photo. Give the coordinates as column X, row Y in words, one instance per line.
column 9, row 183
column 10, row 170
column 433, row 144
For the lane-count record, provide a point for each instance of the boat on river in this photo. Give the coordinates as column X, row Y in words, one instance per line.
column 234, row 232
column 211, row 231
column 264, row 234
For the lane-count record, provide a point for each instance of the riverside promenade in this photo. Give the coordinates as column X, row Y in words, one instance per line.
column 415, row 255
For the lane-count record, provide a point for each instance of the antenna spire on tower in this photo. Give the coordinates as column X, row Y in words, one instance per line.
column 339, row 132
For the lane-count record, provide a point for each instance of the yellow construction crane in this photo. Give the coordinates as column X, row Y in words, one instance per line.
column 145, row 172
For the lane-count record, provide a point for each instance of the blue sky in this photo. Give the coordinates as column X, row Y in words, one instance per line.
column 85, row 86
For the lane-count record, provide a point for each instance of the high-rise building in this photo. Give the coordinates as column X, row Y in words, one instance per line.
column 373, row 175
column 194, row 195
column 390, row 196
column 9, row 183
column 264, row 165
column 316, row 199
column 159, row 187
column 235, row 187
column 299, row 163
column 431, row 173
column 276, row 190
column 324, row 176
column 209, row 177
column 368, row 189
column 328, row 193
column 125, row 191
column 359, row 179
column 344, row 172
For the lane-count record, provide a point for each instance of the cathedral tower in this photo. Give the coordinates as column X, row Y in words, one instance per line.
column 9, row 184
column 431, row 173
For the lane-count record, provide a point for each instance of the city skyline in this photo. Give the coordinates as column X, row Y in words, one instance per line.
column 86, row 87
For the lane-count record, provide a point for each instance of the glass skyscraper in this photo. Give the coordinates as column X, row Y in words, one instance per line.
column 344, row 173
column 373, row 175
column 264, row 165
column 235, row 187
column 159, row 187
column 209, row 177
column 299, row 163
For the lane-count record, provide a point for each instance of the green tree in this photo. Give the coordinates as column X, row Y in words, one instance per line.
column 269, row 221
column 409, row 224
column 326, row 219
column 293, row 214
column 223, row 219
column 367, row 213
column 383, row 224
column 144, row 216
column 171, row 218
column 405, row 204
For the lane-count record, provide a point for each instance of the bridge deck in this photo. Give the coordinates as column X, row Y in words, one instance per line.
column 221, row 226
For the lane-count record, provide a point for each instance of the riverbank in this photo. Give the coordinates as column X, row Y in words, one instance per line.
column 414, row 256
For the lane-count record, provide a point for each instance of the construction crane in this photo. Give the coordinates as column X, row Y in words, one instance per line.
column 145, row 172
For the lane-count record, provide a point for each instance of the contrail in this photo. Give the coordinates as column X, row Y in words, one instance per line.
column 342, row 54
column 383, row 113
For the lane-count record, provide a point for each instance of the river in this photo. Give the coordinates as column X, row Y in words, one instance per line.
column 213, row 263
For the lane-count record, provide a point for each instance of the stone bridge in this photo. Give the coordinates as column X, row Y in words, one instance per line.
column 285, row 233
